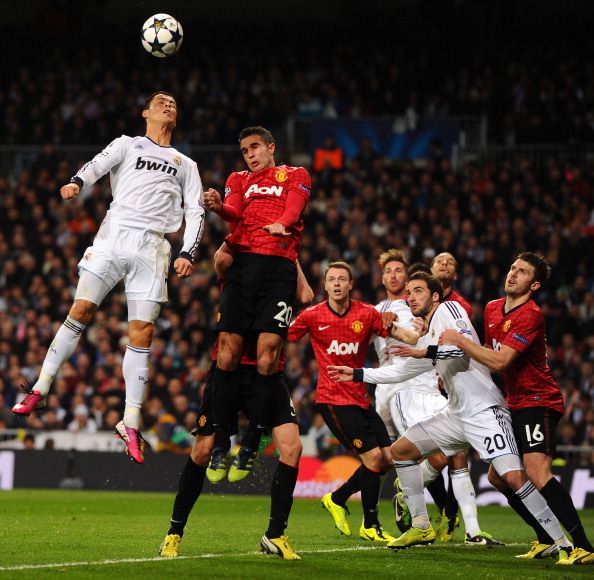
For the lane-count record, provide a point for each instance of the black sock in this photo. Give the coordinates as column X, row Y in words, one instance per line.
column 370, row 488
column 252, row 437
column 262, row 386
column 281, row 499
column 349, row 487
column 189, row 488
column 225, row 389
column 222, row 438
column 451, row 508
column 562, row 506
column 518, row 505
column 438, row 492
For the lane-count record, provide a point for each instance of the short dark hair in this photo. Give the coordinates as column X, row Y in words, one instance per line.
column 419, row 267
column 257, row 130
column 149, row 99
column 342, row 266
column 432, row 282
column 542, row 269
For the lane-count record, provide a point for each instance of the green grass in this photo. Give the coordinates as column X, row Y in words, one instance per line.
column 104, row 529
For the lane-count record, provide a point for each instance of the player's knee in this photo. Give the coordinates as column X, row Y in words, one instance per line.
column 82, row 311
column 404, row 450
column 538, row 475
column 201, row 450
column 290, row 452
column 372, row 459
column 141, row 333
column 495, row 480
column 267, row 362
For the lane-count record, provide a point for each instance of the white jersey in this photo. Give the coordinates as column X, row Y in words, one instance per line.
column 427, row 382
column 468, row 383
column 153, row 187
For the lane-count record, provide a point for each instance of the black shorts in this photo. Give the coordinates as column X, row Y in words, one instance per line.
column 358, row 429
column 535, row 429
column 258, row 295
column 279, row 408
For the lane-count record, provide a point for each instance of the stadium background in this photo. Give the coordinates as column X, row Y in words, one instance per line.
column 465, row 126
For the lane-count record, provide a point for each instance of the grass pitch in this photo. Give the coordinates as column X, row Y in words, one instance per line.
column 104, row 535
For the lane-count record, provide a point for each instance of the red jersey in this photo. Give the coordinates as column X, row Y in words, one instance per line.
column 528, row 380
column 339, row 340
column 455, row 297
column 254, row 200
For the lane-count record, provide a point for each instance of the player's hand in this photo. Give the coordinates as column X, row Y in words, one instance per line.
column 276, row 229
column 340, row 374
column 212, row 199
column 400, row 350
column 69, row 191
column 419, row 324
column 389, row 318
column 450, row 336
column 183, row 268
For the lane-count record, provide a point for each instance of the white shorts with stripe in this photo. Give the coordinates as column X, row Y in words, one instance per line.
column 139, row 257
column 410, row 406
column 489, row 432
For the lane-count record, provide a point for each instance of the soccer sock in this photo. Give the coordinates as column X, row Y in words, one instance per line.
column 562, row 506
column 518, row 506
column 60, row 350
column 225, row 389
column 222, row 438
column 189, row 489
column 451, row 507
column 438, row 492
column 429, row 473
column 538, row 507
column 411, row 481
column 135, row 370
column 281, row 499
column 349, row 487
column 464, row 492
column 251, row 439
column 370, row 489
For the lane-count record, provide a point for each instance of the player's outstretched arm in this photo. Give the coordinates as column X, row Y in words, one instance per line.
column 340, row 374
column 305, row 293
column 408, row 335
column 495, row 360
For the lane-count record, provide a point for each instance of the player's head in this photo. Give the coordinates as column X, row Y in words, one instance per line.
column 160, row 107
column 257, row 147
column 394, row 266
column 527, row 274
column 338, row 281
column 443, row 267
column 425, row 292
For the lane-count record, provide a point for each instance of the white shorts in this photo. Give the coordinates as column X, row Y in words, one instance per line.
column 139, row 257
column 383, row 396
column 410, row 406
column 489, row 432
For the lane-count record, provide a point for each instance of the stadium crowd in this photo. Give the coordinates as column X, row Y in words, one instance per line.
column 484, row 214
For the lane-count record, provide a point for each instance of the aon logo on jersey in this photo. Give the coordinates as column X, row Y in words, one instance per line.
column 343, row 347
column 273, row 190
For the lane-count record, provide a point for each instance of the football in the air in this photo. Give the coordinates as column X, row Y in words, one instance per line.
column 162, row 35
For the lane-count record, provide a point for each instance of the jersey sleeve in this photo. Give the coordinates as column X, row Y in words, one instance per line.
column 450, row 315
column 410, row 368
column 232, row 202
column 103, row 162
column 525, row 330
column 194, row 213
column 299, row 327
column 377, row 324
column 297, row 197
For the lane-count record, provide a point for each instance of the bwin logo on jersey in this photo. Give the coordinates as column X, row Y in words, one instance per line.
column 343, row 347
column 273, row 190
column 154, row 166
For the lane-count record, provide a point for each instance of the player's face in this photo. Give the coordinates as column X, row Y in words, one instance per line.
column 338, row 284
column 394, row 278
column 257, row 154
column 162, row 109
column 520, row 279
column 420, row 298
column 444, row 268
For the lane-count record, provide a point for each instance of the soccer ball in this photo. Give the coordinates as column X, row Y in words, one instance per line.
column 162, row 35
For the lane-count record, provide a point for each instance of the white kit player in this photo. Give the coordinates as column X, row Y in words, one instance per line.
column 405, row 403
column 476, row 414
column 154, row 187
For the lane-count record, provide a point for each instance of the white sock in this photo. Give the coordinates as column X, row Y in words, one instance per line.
column 135, row 370
column 60, row 350
column 539, row 508
column 411, row 481
column 428, row 472
column 464, row 492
